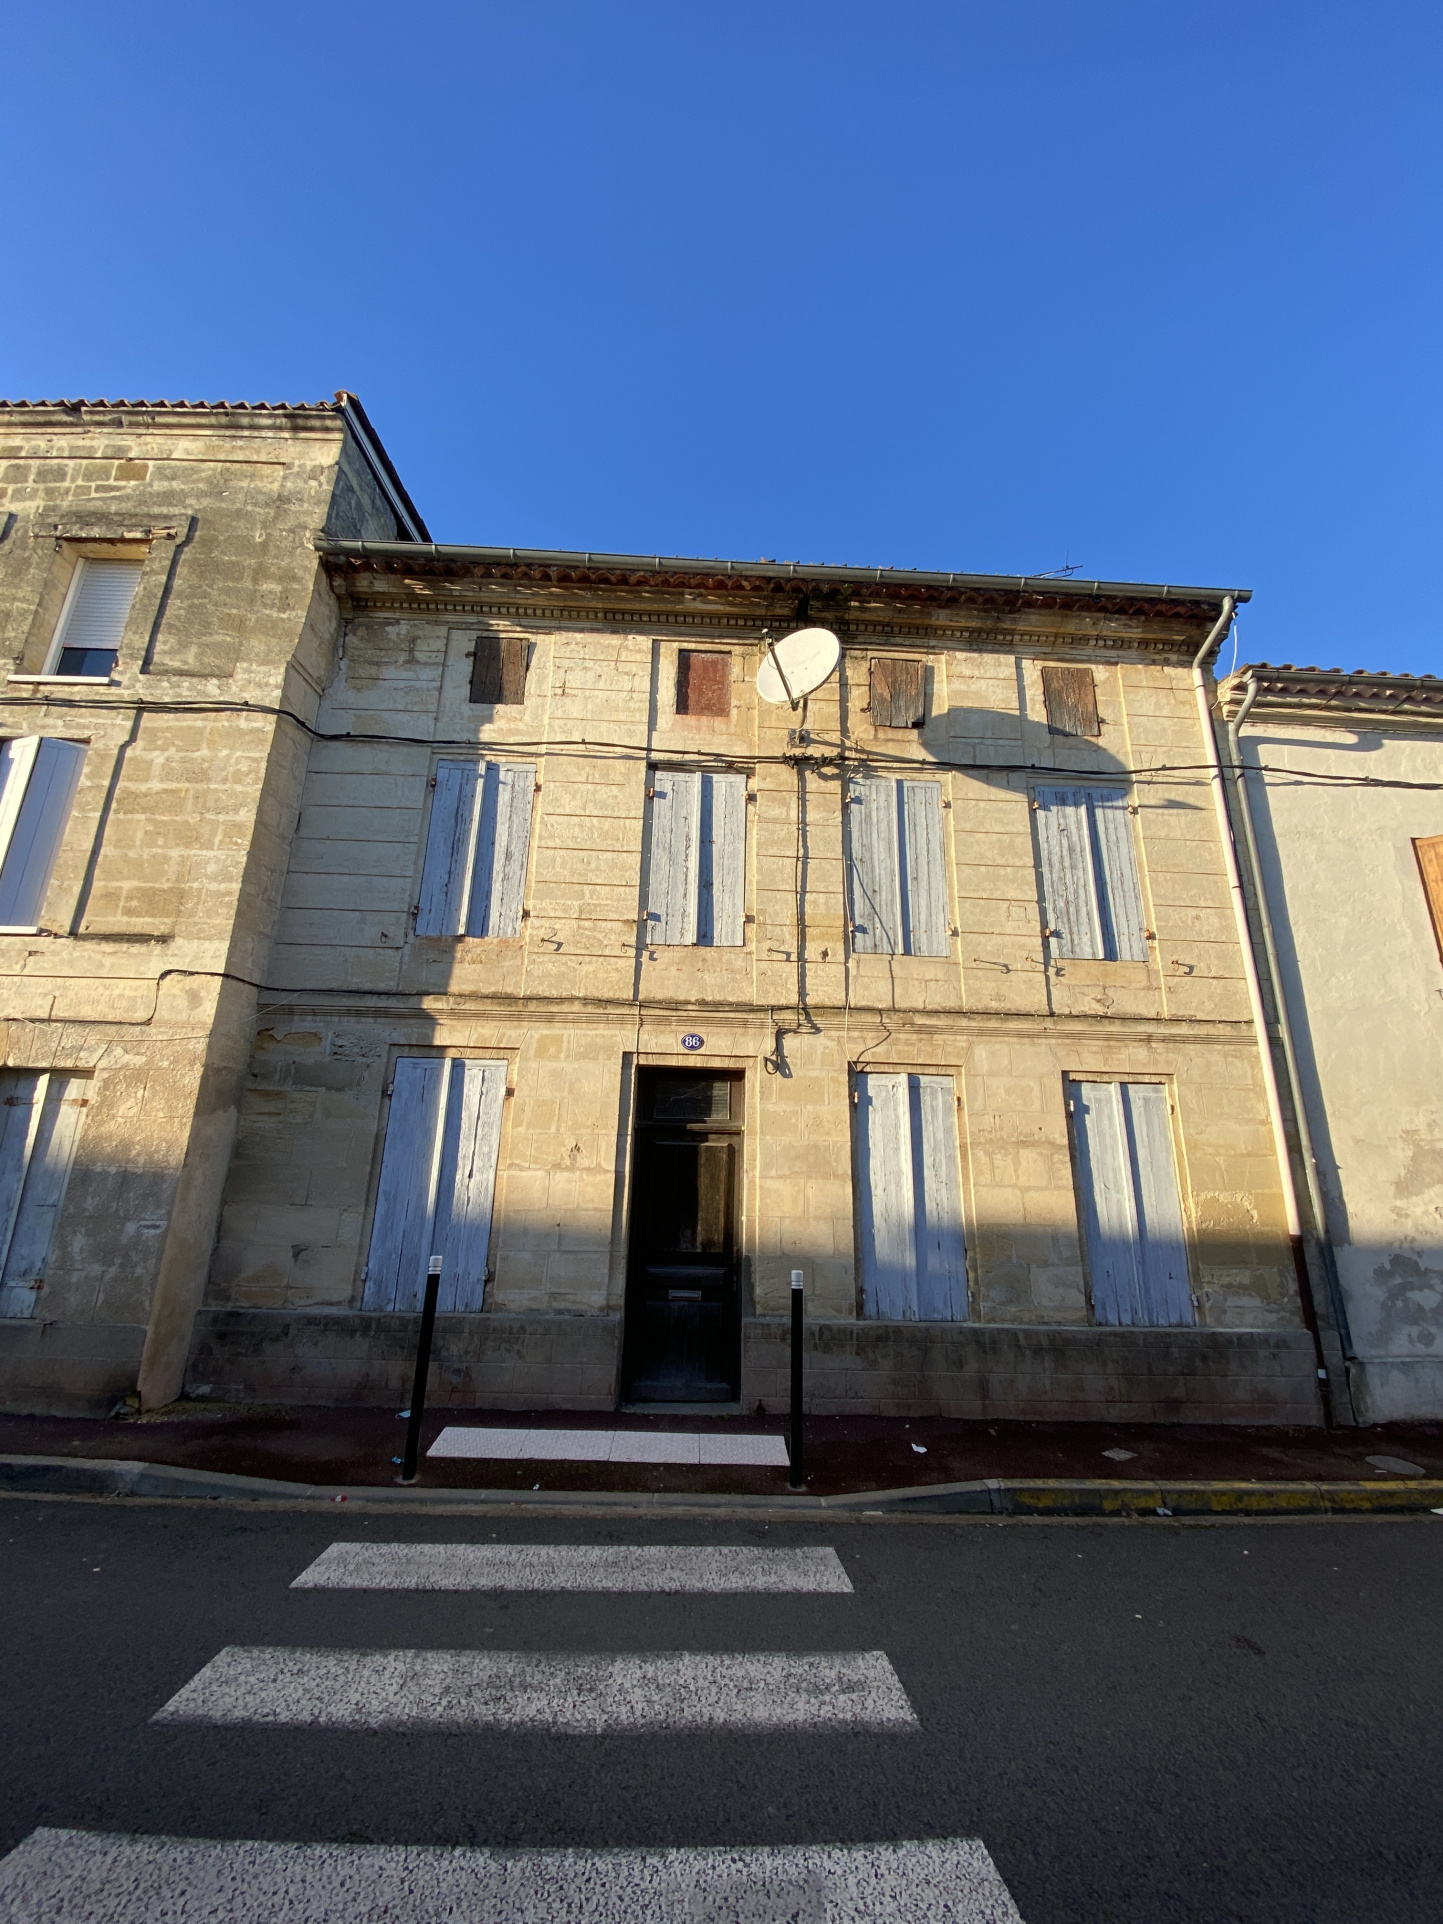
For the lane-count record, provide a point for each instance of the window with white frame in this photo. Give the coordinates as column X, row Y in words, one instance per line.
column 1132, row 1227
column 92, row 621
column 696, row 872
column 38, row 777
column 438, row 1182
column 1092, row 904
column 896, row 867
column 40, row 1114
column 909, row 1199
column 473, row 880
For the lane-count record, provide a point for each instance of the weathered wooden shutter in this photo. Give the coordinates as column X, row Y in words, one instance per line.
column 874, row 896
column 502, row 845
column 41, row 776
column 450, row 849
column 1091, row 899
column 721, row 860
column 898, row 693
column 438, row 1174
column 1131, row 1215
column 1070, row 696
column 1068, row 889
column 703, row 682
column 914, row 1259
column 1429, row 851
column 923, row 864
column 1115, row 865
column 96, row 611
column 672, row 878
column 39, row 1124
column 466, row 1180
column 498, row 669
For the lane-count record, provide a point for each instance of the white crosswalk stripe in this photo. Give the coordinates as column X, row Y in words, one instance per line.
column 57, row 1874
column 546, row 1566
column 526, row 1690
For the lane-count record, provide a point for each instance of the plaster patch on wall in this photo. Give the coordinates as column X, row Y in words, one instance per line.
column 1410, row 1296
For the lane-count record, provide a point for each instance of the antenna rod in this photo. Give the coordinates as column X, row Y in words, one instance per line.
column 781, row 672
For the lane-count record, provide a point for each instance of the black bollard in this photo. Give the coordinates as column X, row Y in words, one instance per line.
column 423, row 1367
column 797, row 1475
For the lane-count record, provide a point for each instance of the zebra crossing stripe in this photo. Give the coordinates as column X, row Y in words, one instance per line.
column 106, row 1879
column 546, row 1566
column 578, row 1694
column 611, row 1446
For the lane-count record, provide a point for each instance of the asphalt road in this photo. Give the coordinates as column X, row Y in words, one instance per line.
column 1141, row 1723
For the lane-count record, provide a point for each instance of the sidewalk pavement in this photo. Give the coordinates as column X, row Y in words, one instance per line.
column 354, row 1448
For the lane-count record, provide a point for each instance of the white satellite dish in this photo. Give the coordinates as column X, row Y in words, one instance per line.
column 798, row 663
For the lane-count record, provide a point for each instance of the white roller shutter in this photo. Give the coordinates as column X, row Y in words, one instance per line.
column 97, row 606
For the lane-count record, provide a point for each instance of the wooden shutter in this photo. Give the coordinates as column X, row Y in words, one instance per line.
column 874, row 899
column 914, row 1261
column 1429, row 851
column 58, row 1114
column 1069, row 893
column 22, row 1095
column 721, row 860
column 923, row 865
column 405, row 1200
column 502, row 846
column 1131, row 1216
column 898, row 692
column 498, row 670
column 98, row 605
column 703, row 683
column 38, row 829
column 1070, row 696
column 672, row 890
column 450, row 846
column 438, row 1174
column 1115, row 861
column 466, row 1180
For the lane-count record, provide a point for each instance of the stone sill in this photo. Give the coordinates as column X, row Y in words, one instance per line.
column 69, row 681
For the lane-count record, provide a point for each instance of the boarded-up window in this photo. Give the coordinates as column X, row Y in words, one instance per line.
column 898, row 693
column 1128, row 1200
column 896, row 867
column 39, row 1120
column 438, row 1179
column 97, row 607
column 696, row 876
column 914, row 1258
column 703, row 683
column 1071, row 699
column 498, row 669
column 1429, row 850
column 474, row 878
column 38, row 776
column 1091, row 900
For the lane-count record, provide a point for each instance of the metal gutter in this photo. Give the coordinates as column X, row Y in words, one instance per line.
column 417, row 552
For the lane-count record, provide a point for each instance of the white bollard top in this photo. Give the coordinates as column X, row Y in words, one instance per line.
column 796, row 1279
column 433, row 1268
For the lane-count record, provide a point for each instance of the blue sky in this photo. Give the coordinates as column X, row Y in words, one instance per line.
column 1151, row 288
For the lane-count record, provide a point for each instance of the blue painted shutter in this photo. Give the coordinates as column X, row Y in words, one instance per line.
column 1069, row 895
column 914, row 1257
column 873, row 885
column 450, row 843
column 438, row 1176
column 1124, row 939
column 40, row 779
column 1131, row 1215
column 502, row 845
column 721, row 860
column 923, row 865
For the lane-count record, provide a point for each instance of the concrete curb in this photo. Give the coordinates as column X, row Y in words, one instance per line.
column 1037, row 1497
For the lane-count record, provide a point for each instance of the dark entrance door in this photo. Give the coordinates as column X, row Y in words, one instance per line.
column 683, row 1314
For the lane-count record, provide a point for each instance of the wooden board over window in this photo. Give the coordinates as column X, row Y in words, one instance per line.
column 498, row 672
column 1429, row 850
column 1071, row 699
column 899, row 692
column 703, row 682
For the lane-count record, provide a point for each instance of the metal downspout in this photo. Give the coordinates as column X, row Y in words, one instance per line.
column 1255, row 993
column 1285, row 1026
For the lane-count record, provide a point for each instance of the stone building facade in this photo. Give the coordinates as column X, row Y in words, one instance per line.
column 1344, row 778
column 563, row 954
